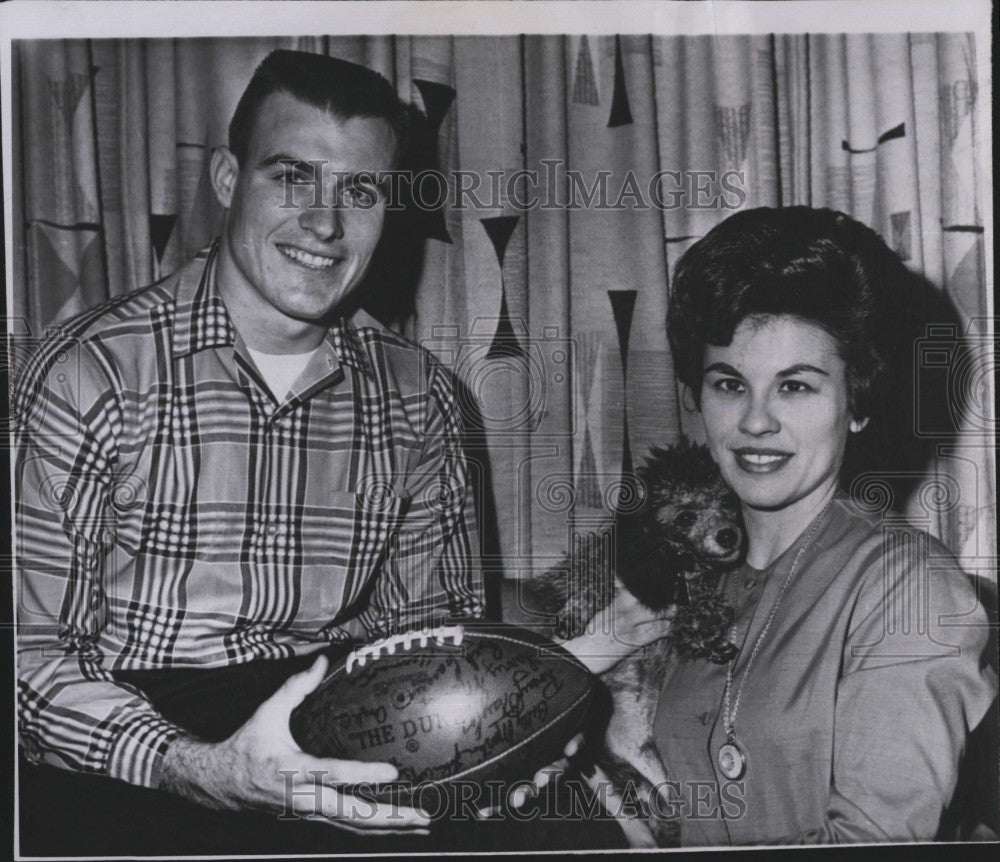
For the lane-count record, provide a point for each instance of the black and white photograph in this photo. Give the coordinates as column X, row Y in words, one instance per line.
column 499, row 427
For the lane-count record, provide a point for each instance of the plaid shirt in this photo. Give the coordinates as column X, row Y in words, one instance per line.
column 171, row 513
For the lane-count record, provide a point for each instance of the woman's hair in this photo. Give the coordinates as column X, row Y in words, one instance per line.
column 343, row 89
column 815, row 264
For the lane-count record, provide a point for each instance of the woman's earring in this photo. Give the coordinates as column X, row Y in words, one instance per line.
column 858, row 425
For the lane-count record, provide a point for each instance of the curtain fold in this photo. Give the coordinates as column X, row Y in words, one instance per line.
column 553, row 315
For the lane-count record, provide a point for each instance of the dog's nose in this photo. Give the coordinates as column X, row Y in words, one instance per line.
column 727, row 538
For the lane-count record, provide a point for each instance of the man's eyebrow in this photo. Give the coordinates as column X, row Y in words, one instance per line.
column 291, row 161
column 801, row 367
column 310, row 168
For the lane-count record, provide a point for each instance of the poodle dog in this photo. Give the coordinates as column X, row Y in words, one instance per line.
column 668, row 550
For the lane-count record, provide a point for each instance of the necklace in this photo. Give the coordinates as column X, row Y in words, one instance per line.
column 732, row 760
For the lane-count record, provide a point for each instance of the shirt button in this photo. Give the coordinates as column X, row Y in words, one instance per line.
column 750, row 583
column 273, row 529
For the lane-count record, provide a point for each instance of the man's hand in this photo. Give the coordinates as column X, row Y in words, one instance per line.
column 617, row 631
column 260, row 767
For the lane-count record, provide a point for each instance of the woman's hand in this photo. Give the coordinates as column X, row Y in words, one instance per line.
column 637, row 833
column 525, row 791
column 617, row 631
column 613, row 633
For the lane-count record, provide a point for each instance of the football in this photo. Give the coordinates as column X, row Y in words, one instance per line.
column 475, row 703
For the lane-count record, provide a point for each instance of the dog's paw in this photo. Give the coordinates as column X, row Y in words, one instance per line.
column 723, row 651
column 564, row 630
column 571, row 624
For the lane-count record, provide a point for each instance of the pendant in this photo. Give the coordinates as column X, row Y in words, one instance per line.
column 732, row 761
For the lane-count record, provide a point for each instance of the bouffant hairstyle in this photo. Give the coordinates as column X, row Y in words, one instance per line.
column 815, row 264
column 343, row 89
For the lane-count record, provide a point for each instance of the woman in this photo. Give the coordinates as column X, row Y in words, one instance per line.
column 845, row 712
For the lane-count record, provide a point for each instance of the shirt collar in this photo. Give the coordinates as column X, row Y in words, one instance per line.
column 202, row 321
column 343, row 337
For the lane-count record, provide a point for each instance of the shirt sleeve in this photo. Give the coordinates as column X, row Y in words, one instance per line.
column 71, row 711
column 915, row 682
column 432, row 572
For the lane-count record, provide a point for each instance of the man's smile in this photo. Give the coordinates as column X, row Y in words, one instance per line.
column 307, row 259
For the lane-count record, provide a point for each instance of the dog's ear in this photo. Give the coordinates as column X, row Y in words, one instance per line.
column 679, row 558
column 652, row 574
column 632, row 543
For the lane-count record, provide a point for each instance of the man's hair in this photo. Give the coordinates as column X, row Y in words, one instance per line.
column 815, row 264
column 336, row 86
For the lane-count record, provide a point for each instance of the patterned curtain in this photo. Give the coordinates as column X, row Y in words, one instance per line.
column 553, row 317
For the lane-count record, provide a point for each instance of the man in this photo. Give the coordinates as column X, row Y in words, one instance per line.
column 238, row 472
column 242, row 471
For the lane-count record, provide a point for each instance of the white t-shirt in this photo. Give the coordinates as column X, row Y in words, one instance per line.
column 280, row 370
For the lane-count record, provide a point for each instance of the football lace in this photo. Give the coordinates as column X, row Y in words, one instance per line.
column 388, row 645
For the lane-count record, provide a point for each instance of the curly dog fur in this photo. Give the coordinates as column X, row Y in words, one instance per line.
column 667, row 550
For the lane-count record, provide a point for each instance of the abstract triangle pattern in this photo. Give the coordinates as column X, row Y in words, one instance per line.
column 626, row 448
column 93, row 277
column 622, row 306
column 902, row 241
column 505, row 343
column 437, row 99
column 894, row 133
column 585, row 82
column 963, row 228
column 433, row 226
column 587, row 490
column 63, row 241
column 66, row 93
column 732, row 130
column 500, row 229
column 621, row 114
column 78, row 226
column 160, row 229
column 72, row 269
column 966, row 292
column 957, row 101
column 587, row 462
column 59, row 275
column 586, row 355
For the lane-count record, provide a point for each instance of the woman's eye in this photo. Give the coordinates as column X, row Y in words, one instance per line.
column 728, row 385
column 796, row 387
column 685, row 519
